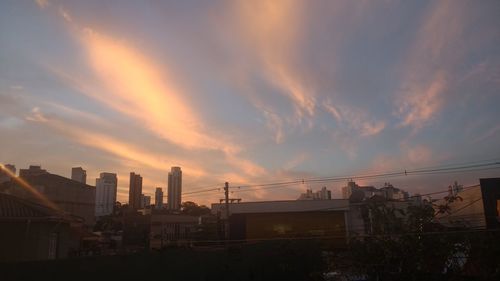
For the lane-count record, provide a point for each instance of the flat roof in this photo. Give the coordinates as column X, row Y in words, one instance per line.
column 283, row 206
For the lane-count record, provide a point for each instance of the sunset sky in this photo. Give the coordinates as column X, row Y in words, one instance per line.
column 250, row 91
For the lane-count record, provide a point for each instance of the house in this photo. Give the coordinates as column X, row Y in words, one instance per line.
column 33, row 232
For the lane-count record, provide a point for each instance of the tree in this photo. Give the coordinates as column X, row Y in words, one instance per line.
column 193, row 209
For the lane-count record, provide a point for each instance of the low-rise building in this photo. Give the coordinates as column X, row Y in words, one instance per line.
column 167, row 229
column 327, row 219
column 32, row 232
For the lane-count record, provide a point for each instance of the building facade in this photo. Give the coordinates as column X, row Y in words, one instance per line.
column 135, row 191
column 105, row 191
column 159, row 198
column 174, row 189
column 79, row 174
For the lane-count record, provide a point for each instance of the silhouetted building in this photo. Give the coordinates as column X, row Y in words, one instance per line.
column 31, row 231
column 105, row 191
column 32, row 171
column 145, row 201
column 159, row 198
column 136, row 232
column 79, row 174
column 174, row 188
column 70, row 196
column 5, row 176
column 359, row 193
column 135, row 191
column 323, row 194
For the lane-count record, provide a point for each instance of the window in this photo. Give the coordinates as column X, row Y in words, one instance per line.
column 53, row 240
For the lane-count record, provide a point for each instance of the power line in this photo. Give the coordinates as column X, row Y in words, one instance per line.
column 450, row 168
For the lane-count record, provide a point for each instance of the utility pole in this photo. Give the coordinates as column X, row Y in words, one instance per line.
column 226, row 193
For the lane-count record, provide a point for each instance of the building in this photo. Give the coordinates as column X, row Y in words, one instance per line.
column 70, row 196
column 135, row 191
column 288, row 219
column 323, row 194
column 32, row 232
column 145, row 201
column 32, row 171
column 159, row 198
column 356, row 192
column 79, row 174
column 475, row 207
column 105, row 192
column 169, row 229
column 174, row 188
column 5, row 176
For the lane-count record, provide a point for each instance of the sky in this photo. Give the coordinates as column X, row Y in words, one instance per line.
column 250, row 92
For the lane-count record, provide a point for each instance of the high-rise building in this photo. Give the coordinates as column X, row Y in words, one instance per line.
column 145, row 201
column 135, row 191
column 105, row 194
column 159, row 198
column 78, row 174
column 174, row 188
column 6, row 172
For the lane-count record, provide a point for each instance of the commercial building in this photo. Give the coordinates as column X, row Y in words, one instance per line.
column 174, row 188
column 70, row 196
column 476, row 207
column 159, row 198
column 79, row 174
column 105, row 191
column 288, row 219
column 135, row 191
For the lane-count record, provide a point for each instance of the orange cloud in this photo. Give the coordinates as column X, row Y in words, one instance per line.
column 272, row 29
column 429, row 61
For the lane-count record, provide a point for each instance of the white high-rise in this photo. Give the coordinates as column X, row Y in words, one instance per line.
column 174, row 188
column 105, row 194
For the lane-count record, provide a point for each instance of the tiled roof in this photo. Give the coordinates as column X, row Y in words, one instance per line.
column 14, row 207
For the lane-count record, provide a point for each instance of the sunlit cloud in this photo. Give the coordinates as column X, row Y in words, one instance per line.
column 42, row 3
column 112, row 145
column 429, row 61
column 271, row 30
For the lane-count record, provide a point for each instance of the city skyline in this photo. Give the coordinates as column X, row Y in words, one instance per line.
column 250, row 92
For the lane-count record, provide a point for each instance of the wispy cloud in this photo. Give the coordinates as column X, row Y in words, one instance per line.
column 112, row 145
column 428, row 64
column 354, row 119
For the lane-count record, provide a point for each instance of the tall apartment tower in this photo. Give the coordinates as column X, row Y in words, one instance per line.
column 159, row 198
column 105, row 194
column 78, row 174
column 174, row 188
column 135, row 191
